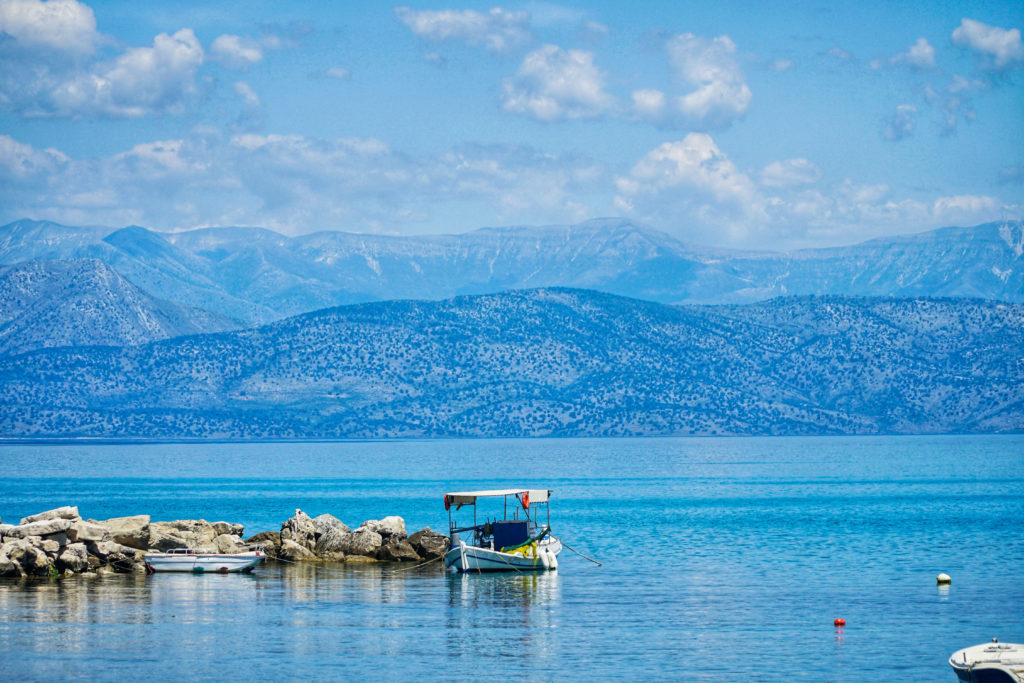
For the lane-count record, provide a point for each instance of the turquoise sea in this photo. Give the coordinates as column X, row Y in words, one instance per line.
column 723, row 559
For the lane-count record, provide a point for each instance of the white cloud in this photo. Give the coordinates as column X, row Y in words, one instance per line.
column 720, row 94
column 248, row 95
column 1001, row 48
column 553, row 84
column 921, row 55
column 790, row 173
column 338, row 73
column 236, row 52
column 499, row 30
column 141, row 81
column 901, row 124
column 61, row 25
column 20, row 162
column 782, row 65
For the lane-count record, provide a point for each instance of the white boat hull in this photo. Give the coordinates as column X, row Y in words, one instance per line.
column 467, row 558
column 993, row 662
column 204, row 562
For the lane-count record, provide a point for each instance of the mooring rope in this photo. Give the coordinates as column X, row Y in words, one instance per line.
column 569, row 547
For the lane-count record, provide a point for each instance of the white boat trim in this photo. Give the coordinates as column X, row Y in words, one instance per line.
column 991, row 662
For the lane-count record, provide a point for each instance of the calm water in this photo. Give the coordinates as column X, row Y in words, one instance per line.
column 724, row 559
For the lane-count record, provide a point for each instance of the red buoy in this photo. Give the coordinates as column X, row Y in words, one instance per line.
column 840, row 622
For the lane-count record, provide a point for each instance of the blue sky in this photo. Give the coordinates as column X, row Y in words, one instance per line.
column 752, row 125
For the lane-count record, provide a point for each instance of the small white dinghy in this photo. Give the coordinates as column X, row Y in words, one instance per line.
column 507, row 544
column 196, row 560
column 993, row 662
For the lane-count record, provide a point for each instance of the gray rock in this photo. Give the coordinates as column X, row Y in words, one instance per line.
column 429, row 544
column 131, row 531
column 41, row 528
column 9, row 566
column 5, row 528
column 299, row 529
column 182, row 533
column 270, row 540
column 290, row 550
column 325, row 522
column 334, row 540
column 388, row 527
column 50, row 546
column 75, row 558
column 229, row 528
column 82, row 531
column 32, row 560
column 362, row 541
column 70, row 513
column 397, row 550
column 228, row 543
column 119, row 557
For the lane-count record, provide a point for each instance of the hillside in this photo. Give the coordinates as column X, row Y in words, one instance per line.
column 257, row 276
column 85, row 302
column 546, row 362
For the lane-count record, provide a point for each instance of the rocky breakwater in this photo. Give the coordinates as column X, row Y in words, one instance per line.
column 326, row 538
column 59, row 541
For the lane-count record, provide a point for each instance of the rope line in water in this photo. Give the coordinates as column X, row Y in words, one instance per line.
column 569, row 547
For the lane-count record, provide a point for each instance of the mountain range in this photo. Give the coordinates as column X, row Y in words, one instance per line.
column 254, row 275
column 545, row 362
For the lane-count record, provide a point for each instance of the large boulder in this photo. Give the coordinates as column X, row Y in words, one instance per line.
column 325, row 522
column 397, row 550
column 270, row 540
column 228, row 543
column 389, row 527
column 8, row 565
column 70, row 513
column 362, row 542
column 32, row 560
column 82, row 531
column 299, row 529
column 429, row 544
column 5, row 529
column 221, row 528
column 118, row 557
column 332, row 543
column 182, row 533
column 131, row 531
column 41, row 528
column 292, row 551
column 75, row 558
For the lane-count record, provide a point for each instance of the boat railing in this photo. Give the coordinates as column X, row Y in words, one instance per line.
column 253, row 547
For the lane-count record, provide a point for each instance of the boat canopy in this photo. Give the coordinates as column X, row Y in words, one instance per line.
column 469, row 497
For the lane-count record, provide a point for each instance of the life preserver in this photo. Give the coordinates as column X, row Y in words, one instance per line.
column 447, row 502
column 526, row 500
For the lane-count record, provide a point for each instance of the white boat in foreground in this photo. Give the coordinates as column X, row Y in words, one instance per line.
column 193, row 560
column 993, row 662
column 506, row 544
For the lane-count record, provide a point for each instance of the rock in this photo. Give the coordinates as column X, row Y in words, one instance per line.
column 429, row 544
column 290, row 550
column 270, row 540
column 41, row 528
column 75, row 558
column 397, row 550
column 70, row 513
column 228, row 543
column 388, row 527
column 32, row 560
column 182, row 533
column 299, row 529
column 60, row 538
column 131, row 531
column 325, row 522
column 333, row 542
column 119, row 557
column 50, row 547
column 221, row 528
column 362, row 541
column 4, row 529
column 9, row 566
column 82, row 531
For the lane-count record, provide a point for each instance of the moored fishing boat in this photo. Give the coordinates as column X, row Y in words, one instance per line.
column 196, row 560
column 516, row 542
column 993, row 662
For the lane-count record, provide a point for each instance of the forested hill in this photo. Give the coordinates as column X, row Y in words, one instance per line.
column 545, row 362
